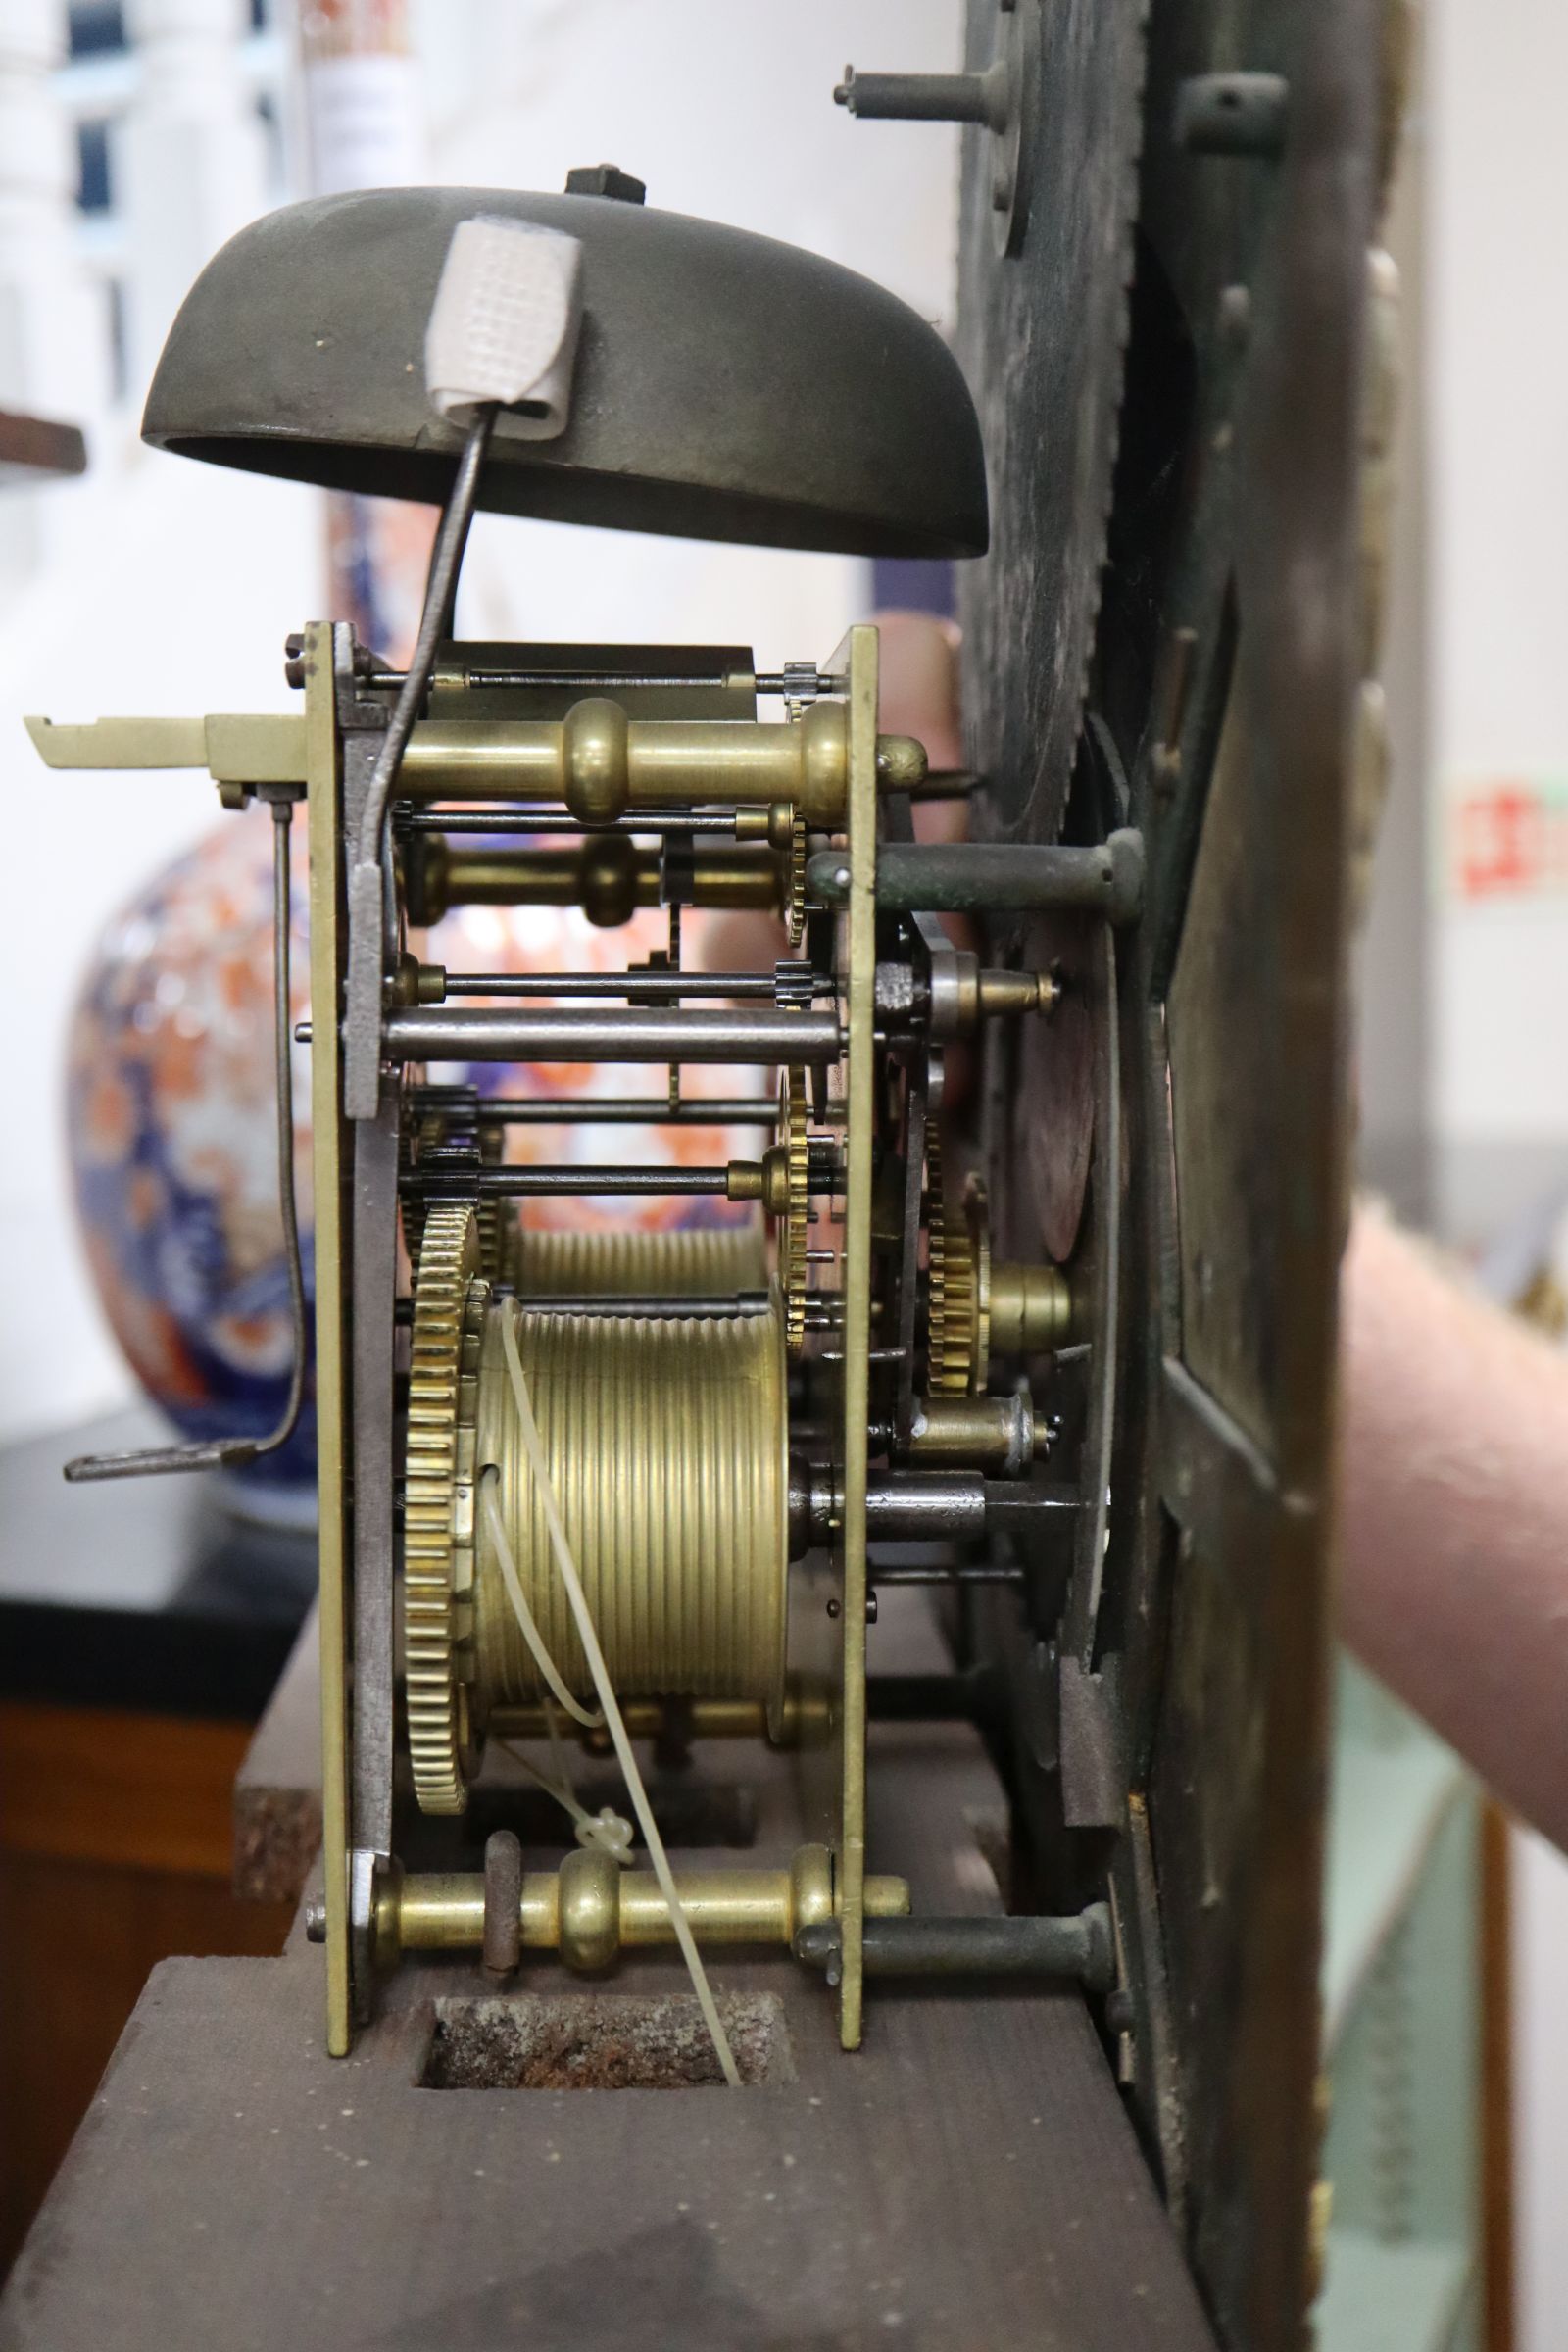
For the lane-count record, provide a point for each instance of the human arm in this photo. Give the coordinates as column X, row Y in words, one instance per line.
column 1454, row 1513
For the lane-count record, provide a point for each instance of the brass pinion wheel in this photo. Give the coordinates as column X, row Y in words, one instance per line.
column 427, row 1134
column 413, row 1137
column 795, row 895
column 794, row 1217
column 438, row 1523
column 958, row 1283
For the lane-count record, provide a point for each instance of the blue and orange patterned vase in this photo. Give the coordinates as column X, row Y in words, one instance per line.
column 172, row 1109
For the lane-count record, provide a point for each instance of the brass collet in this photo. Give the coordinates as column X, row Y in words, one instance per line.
column 590, row 1910
column 766, row 1180
column 608, row 875
column 985, row 1433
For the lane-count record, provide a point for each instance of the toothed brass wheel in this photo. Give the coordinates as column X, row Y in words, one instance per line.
column 426, row 1133
column 492, row 1212
column 795, row 896
column 794, row 1220
column 449, row 1306
column 414, row 1134
column 957, row 1283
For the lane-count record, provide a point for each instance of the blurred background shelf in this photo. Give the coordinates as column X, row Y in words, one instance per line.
column 1415, row 2011
column 142, row 1629
column 34, row 446
column 1395, row 2298
column 1394, row 1788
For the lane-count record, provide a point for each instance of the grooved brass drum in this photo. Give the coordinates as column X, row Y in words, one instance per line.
column 668, row 1444
column 696, row 1263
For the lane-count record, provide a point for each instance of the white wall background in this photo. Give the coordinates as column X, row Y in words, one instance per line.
column 198, row 577
column 1497, row 357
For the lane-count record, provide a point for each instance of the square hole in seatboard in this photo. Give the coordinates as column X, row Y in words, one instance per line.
column 602, row 2042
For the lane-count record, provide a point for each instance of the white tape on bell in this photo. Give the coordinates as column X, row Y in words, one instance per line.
column 505, row 323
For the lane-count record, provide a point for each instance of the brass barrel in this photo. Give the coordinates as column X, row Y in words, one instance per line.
column 698, row 1262
column 1031, row 1310
column 806, row 1718
column 668, row 1447
column 608, row 875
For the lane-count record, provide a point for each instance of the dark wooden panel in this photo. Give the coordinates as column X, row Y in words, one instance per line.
column 77, row 1944
column 92, row 1784
column 1256, row 869
column 1223, row 1032
column 115, row 1852
column 1230, row 594
column 277, row 1794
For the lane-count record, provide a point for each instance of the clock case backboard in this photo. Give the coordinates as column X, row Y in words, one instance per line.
column 1169, row 632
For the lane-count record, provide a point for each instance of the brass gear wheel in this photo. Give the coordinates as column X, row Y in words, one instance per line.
column 413, row 1134
column 494, row 1214
column 438, row 1520
column 794, row 895
column 958, row 1283
column 794, row 1225
column 428, row 1133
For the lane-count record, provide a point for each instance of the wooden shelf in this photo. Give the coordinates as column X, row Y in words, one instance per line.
column 35, row 446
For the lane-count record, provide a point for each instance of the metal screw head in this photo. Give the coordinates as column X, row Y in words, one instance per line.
column 605, row 179
column 1231, row 113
